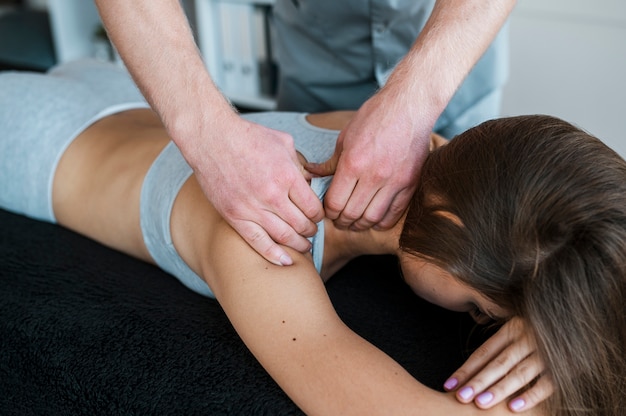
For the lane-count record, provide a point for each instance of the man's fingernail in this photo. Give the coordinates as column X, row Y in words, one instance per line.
column 485, row 398
column 466, row 393
column 517, row 404
column 285, row 260
column 450, row 383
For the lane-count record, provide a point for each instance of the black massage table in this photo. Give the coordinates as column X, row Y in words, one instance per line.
column 86, row 330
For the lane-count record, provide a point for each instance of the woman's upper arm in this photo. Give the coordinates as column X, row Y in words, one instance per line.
column 286, row 319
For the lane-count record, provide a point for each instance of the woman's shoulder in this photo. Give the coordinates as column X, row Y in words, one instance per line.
column 315, row 142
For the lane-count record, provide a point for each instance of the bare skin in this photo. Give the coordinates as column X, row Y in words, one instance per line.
column 283, row 314
column 274, row 207
column 267, row 207
column 391, row 130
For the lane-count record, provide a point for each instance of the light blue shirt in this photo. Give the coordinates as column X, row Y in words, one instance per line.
column 335, row 54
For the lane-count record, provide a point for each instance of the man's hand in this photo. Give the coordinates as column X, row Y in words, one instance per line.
column 253, row 177
column 376, row 164
column 380, row 152
column 249, row 173
column 505, row 364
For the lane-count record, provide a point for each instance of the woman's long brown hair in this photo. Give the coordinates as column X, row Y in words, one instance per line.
column 543, row 234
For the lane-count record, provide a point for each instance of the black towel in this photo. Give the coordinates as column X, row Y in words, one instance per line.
column 87, row 330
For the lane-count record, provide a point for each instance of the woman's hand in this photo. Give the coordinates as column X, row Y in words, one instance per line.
column 506, row 366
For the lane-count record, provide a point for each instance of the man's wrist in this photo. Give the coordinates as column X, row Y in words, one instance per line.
column 203, row 113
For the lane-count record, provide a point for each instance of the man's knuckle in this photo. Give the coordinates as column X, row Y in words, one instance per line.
column 308, row 228
column 379, row 173
column 312, row 212
column 372, row 217
column 255, row 237
column 300, row 227
column 396, row 208
column 283, row 236
column 368, row 220
column 356, row 165
column 273, row 196
column 287, row 139
column 333, row 205
column 350, row 215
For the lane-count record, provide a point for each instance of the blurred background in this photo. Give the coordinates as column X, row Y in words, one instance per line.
column 568, row 57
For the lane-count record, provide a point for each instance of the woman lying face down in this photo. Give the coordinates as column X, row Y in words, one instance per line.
column 518, row 220
column 531, row 213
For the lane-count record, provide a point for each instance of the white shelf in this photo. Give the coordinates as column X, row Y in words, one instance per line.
column 233, row 39
column 74, row 24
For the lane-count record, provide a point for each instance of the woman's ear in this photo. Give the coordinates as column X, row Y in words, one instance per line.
column 437, row 141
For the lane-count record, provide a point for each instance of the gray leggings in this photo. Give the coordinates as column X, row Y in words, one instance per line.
column 40, row 115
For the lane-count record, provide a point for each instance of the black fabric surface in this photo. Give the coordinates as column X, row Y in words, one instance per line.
column 86, row 330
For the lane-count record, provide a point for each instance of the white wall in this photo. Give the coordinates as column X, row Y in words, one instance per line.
column 568, row 59
column 74, row 24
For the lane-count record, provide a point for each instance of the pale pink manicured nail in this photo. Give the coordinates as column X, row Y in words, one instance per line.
column 517, row 404
column 450, row 383
column 485, row 398
column 466, row 393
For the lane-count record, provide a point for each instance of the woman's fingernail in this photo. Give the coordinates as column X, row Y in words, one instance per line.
column 517, row 404
column 450, row 383
column 485, row 398
column 285, row 260
column 466, row 393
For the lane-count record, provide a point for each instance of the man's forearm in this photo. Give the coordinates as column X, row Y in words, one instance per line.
column 156, row 43
column 453, row 40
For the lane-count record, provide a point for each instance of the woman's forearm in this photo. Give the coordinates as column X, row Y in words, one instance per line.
column 286, row 319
